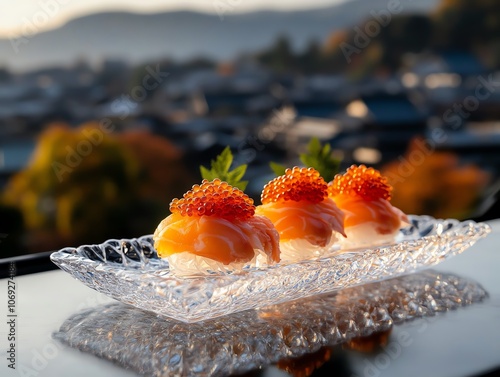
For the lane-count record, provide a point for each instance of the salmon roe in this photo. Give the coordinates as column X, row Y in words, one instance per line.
column 215, row 198
column 360, row 180
column 297, row 184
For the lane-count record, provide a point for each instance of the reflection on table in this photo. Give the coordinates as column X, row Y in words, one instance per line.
column 154, row 346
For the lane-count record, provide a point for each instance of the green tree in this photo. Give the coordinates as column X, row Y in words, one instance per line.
column 404, row 34
column 467, row 25
column 311, row 59
column 279, row 57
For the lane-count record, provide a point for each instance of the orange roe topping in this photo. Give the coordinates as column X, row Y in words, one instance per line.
column 360, row 180
column 216, row 198
column 297, row 184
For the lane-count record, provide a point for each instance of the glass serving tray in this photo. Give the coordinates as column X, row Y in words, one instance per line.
column 131, row 272
column 234, row 344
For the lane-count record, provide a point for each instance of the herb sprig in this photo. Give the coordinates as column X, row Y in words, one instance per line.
column 318, row 157
column 220, row 168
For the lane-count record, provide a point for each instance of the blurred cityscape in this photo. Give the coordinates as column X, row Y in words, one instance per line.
column 90, row 152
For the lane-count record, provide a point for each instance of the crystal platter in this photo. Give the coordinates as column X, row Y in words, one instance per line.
column 130, row 271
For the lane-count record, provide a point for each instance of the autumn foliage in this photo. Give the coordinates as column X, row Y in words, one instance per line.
column 429, row 182
column 86, row 185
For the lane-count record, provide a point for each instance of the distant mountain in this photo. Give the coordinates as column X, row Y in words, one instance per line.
column 185, row 34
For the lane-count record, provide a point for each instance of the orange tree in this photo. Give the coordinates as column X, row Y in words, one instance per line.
column 84, row 185
column 428, row 182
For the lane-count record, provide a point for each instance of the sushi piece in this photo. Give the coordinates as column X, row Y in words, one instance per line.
column 364, row 195
column 297, row 203
column 213, row 228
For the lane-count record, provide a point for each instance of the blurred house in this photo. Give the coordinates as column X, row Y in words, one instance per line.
column 246, row 91
column 456, row 86
column 461, row 63
column 24, row 107
column 293, row 126
column 316, row 105
column 378, row 127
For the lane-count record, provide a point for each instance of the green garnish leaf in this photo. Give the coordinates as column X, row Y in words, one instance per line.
column 237, row 173
column 320, row 158
column 207, row 174
column 220, row 168
column 278, row 169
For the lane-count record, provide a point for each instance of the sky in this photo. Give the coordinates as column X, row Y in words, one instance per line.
column 19, row 16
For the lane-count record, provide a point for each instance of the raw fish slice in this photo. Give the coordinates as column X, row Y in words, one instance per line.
column 385, row 217
column 363, row 194
column 216, row 238
column 214, row 228
column 313, row 222
column 308, row 222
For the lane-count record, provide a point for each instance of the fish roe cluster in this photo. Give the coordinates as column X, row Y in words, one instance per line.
column 297, row 184
column 215, row 198
column 360, row 180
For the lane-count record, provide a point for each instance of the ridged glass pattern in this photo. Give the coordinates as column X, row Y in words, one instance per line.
column 130, row 271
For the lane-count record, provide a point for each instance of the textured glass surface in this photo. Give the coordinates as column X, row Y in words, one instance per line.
column 131, row 272
column 156, row 346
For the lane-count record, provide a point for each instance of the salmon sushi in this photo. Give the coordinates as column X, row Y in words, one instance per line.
column 308, row 222
column 364, row 195
column 213, row 228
